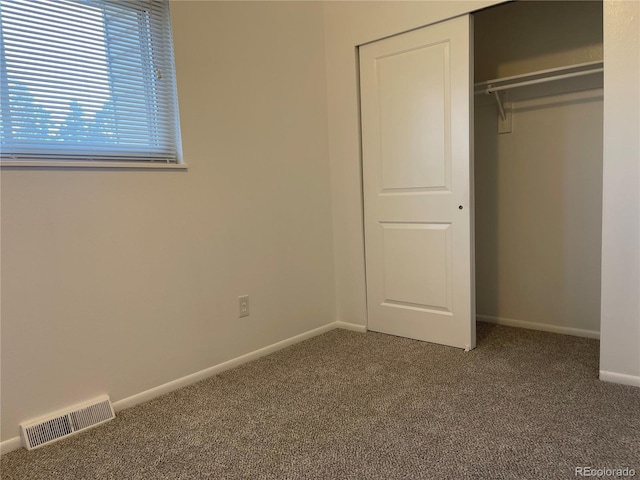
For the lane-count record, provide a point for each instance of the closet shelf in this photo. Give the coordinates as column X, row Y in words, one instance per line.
column 492, row 87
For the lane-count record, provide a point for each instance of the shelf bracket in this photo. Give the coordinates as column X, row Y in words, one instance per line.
column 504, row 112
column 500, row 107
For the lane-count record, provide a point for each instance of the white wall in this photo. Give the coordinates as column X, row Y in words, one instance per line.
column 539, row 188
column 620, row 336
column 538, row 212
column 119, row 281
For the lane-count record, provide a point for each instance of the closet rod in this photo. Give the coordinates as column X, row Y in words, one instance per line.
column 490, row 89
column 591, row 68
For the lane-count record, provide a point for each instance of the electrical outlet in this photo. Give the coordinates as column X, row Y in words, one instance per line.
column 243, row 306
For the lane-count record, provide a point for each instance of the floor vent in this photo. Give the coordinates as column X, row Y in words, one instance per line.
column 66, row 422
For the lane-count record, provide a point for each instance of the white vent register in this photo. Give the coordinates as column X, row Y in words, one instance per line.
column 67, row 422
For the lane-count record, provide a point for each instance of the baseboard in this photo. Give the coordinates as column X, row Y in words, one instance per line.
column 10, row 445
column 221, row 367
column 15, row 442
column 351, row 326
column 622, row 378
column 576, row 332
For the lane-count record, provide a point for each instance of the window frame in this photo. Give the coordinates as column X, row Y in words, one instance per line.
column 84, row 160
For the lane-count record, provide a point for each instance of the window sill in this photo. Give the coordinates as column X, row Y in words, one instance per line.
column 89, row 164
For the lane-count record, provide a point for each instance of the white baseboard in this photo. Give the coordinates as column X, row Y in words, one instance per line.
column 622, row 378
column 15, row 442
column 545, row 327
column 10, row 445
column 221, row 367
column 352, row 326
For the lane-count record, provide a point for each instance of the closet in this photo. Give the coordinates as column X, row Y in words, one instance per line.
column 538, row 165
column 534, row 118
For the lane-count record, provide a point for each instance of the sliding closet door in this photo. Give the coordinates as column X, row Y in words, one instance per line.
column 417, row 171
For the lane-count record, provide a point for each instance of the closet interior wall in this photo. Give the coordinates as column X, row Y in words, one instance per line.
column 538, row 189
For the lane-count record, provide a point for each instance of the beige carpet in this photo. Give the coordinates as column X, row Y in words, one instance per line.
column 345, row 405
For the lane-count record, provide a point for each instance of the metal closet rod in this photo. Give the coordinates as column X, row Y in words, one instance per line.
column 550, row 75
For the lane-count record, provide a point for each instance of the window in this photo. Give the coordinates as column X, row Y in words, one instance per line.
column 87, row 80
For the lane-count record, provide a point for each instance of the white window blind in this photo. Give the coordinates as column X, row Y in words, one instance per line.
column 87, row 80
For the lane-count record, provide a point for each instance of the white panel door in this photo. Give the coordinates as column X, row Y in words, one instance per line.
column 416, row 94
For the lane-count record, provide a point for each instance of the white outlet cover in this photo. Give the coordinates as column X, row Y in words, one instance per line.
column 243, row 306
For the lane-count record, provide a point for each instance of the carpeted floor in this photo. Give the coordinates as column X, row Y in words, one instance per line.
column 345, row 405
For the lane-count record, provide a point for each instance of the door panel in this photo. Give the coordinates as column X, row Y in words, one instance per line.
column 413, row 138
column 416, row 93
column 416, row 259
